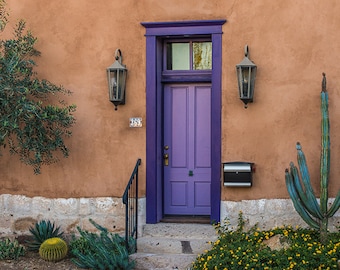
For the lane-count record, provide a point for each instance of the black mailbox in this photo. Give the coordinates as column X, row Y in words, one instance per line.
column 238, row 174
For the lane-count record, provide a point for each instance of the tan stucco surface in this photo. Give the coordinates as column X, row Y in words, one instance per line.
column 291, row 42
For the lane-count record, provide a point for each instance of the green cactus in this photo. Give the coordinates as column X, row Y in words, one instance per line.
column 53, row 249
column 301, row 192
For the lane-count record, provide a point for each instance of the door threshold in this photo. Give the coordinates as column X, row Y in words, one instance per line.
column 185, row 219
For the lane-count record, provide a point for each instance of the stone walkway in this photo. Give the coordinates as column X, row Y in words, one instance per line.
column 172, row 245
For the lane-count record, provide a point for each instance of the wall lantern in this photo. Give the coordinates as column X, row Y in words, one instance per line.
column 116, row 75
column 246, row 74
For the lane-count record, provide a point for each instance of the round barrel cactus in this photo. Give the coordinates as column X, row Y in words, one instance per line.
column 53, row 249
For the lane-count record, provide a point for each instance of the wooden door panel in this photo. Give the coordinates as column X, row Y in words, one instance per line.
column 178, row 128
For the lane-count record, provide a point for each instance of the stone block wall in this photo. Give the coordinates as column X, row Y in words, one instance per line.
column 18, row 213
column 268, row 214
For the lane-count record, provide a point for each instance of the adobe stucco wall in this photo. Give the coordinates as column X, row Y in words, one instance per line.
column 292, row 43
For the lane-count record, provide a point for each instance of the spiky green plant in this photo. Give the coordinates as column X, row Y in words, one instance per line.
column 42, row 231
column 11, row 250
column 103, row 251
column 53, row 249
column 79, row 244
column 301, row 192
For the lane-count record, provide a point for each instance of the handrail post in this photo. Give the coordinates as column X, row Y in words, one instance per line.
column 131, row 219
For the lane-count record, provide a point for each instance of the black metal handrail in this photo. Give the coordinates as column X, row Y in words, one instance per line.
column 130, row 199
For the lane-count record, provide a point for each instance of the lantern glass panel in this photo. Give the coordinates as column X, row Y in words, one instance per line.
column 246, row 81
column 117, row 85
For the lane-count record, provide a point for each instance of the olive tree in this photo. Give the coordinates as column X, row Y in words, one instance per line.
column 34, row 119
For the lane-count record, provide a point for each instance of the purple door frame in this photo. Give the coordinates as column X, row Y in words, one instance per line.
column 155, row 31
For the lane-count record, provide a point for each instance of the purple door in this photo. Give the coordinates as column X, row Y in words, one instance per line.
column 187, row 149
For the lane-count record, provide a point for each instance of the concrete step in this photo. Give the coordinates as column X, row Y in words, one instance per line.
column 164, row 245
column 172, row 245
column 145, row 261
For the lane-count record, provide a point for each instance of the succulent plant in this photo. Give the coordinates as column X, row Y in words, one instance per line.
column 11, row 249
column 301, row 192
column 53, row 249
column 42, row 231
column 103, row 251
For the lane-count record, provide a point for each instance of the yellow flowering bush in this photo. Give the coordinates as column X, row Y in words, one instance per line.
column 242, row 250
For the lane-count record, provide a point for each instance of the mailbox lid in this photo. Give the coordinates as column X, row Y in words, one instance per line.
column 237, row 166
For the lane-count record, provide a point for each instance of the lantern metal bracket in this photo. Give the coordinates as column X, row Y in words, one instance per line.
column 246, row 51
column 118, row 57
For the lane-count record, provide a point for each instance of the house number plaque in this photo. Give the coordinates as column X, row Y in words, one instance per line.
column 135, row 122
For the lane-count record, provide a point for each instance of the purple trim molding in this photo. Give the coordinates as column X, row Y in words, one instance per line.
column 155, row 31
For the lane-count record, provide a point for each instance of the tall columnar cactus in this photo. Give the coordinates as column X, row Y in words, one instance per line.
column 301, row 192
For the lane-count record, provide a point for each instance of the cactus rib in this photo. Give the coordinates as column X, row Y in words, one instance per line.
column 298, row 205
column 335, row 206
column 310, row 199
column 312, row 208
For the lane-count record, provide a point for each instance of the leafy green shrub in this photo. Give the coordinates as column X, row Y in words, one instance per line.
column 103, row 251
column 42, row 231
column 35, row 119
column 248, row 250
column 53, row 249
column 80, row 244
column 11, row 250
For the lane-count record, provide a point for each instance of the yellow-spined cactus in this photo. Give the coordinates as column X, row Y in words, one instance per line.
column 53, row 249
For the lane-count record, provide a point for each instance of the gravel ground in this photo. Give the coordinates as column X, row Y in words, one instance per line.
column 32, row 261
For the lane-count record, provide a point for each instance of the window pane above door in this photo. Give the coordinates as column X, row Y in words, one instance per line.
column 191, row 55
column 202, row 52
column 180, row 56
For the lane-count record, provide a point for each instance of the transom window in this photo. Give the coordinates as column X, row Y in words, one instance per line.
column 187, row 59
column 188, row 55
